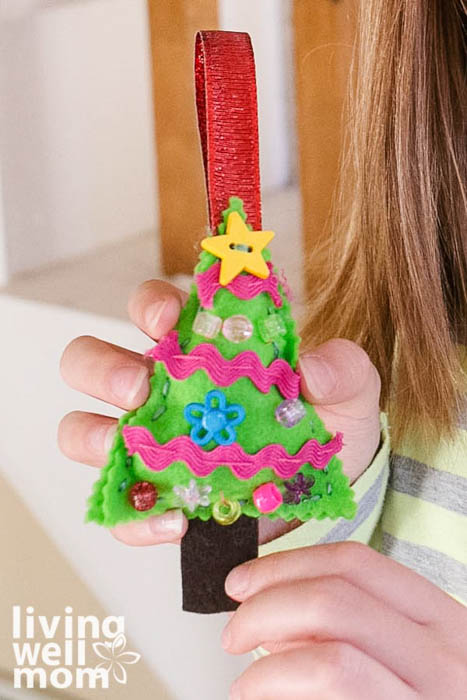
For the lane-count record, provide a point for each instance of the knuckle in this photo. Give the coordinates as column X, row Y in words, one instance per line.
column 352, row 554
column 327, row 593
column 330, row 601
column 339, row 663
column 275, row 572
column 344, row 658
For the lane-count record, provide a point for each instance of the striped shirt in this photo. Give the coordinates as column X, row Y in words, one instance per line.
column 412, row 507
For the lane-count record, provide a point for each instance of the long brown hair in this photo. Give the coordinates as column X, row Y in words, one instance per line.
column 399, row 280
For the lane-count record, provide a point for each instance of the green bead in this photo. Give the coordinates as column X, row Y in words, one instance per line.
column 226, row 512
column 271, row 328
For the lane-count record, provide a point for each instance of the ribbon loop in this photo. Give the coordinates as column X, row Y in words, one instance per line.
column 226, row 102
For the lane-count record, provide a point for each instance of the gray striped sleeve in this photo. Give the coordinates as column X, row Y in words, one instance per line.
column 416, row 479
column 446, row 573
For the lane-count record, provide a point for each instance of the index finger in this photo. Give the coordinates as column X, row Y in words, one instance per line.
column 155, row 306
column 385, row 579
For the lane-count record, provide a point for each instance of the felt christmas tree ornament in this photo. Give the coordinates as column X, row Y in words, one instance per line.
column 225, row 433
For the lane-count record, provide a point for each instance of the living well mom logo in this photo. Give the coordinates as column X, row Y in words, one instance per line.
column 69, row 650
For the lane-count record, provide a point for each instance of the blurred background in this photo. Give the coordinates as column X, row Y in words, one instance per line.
column 101, row 187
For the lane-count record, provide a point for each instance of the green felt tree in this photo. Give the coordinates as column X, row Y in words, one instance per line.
column 225, row 431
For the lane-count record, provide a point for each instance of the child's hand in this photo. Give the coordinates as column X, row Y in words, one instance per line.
column 342, row 621
column 337, row 378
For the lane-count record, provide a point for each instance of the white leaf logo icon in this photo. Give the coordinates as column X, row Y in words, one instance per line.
column 115, row 657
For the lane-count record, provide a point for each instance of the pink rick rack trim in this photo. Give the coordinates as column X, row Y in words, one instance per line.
column 285, row 285
column 225, row 372
column 139, row 440
column 244, row 286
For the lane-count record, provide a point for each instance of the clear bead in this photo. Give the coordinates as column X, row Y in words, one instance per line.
column 237, row 328
column 290, row 412
column 271, row 327
column 206, row 324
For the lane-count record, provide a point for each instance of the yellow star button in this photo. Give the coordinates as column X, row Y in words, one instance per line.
column 239, row 249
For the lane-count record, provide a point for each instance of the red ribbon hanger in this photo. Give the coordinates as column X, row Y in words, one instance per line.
column 225, row 81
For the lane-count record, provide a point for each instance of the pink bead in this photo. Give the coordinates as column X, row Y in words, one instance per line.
column 267, row 497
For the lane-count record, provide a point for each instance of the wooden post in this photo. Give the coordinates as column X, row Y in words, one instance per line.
column 324, row 33
column 182, row 196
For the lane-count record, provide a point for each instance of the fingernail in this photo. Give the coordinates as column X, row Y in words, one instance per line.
column 127, row 384
column 170, row 523
column 226, row 637
column 101, row 439
column 153, row 315
column 238, row 580
column 318, row 375
column 109, row 438
column 95, row 439
column 235, row 692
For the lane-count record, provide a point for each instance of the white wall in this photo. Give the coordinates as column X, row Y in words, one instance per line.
column 76, row 124
column 268, row 23
column 3, row 253
column 76, row 127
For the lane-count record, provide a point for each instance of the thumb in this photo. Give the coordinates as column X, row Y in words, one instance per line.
column 340, row 374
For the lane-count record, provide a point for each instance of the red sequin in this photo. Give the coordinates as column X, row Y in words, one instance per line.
column 143, row 496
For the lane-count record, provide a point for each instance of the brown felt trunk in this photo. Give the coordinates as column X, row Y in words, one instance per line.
column 208, row 552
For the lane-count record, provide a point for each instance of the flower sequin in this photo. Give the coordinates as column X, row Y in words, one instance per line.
column 214, row 420
column 296, row 489
column 193, row 495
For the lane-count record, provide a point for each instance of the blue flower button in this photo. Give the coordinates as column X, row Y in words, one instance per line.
column 214, row 420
